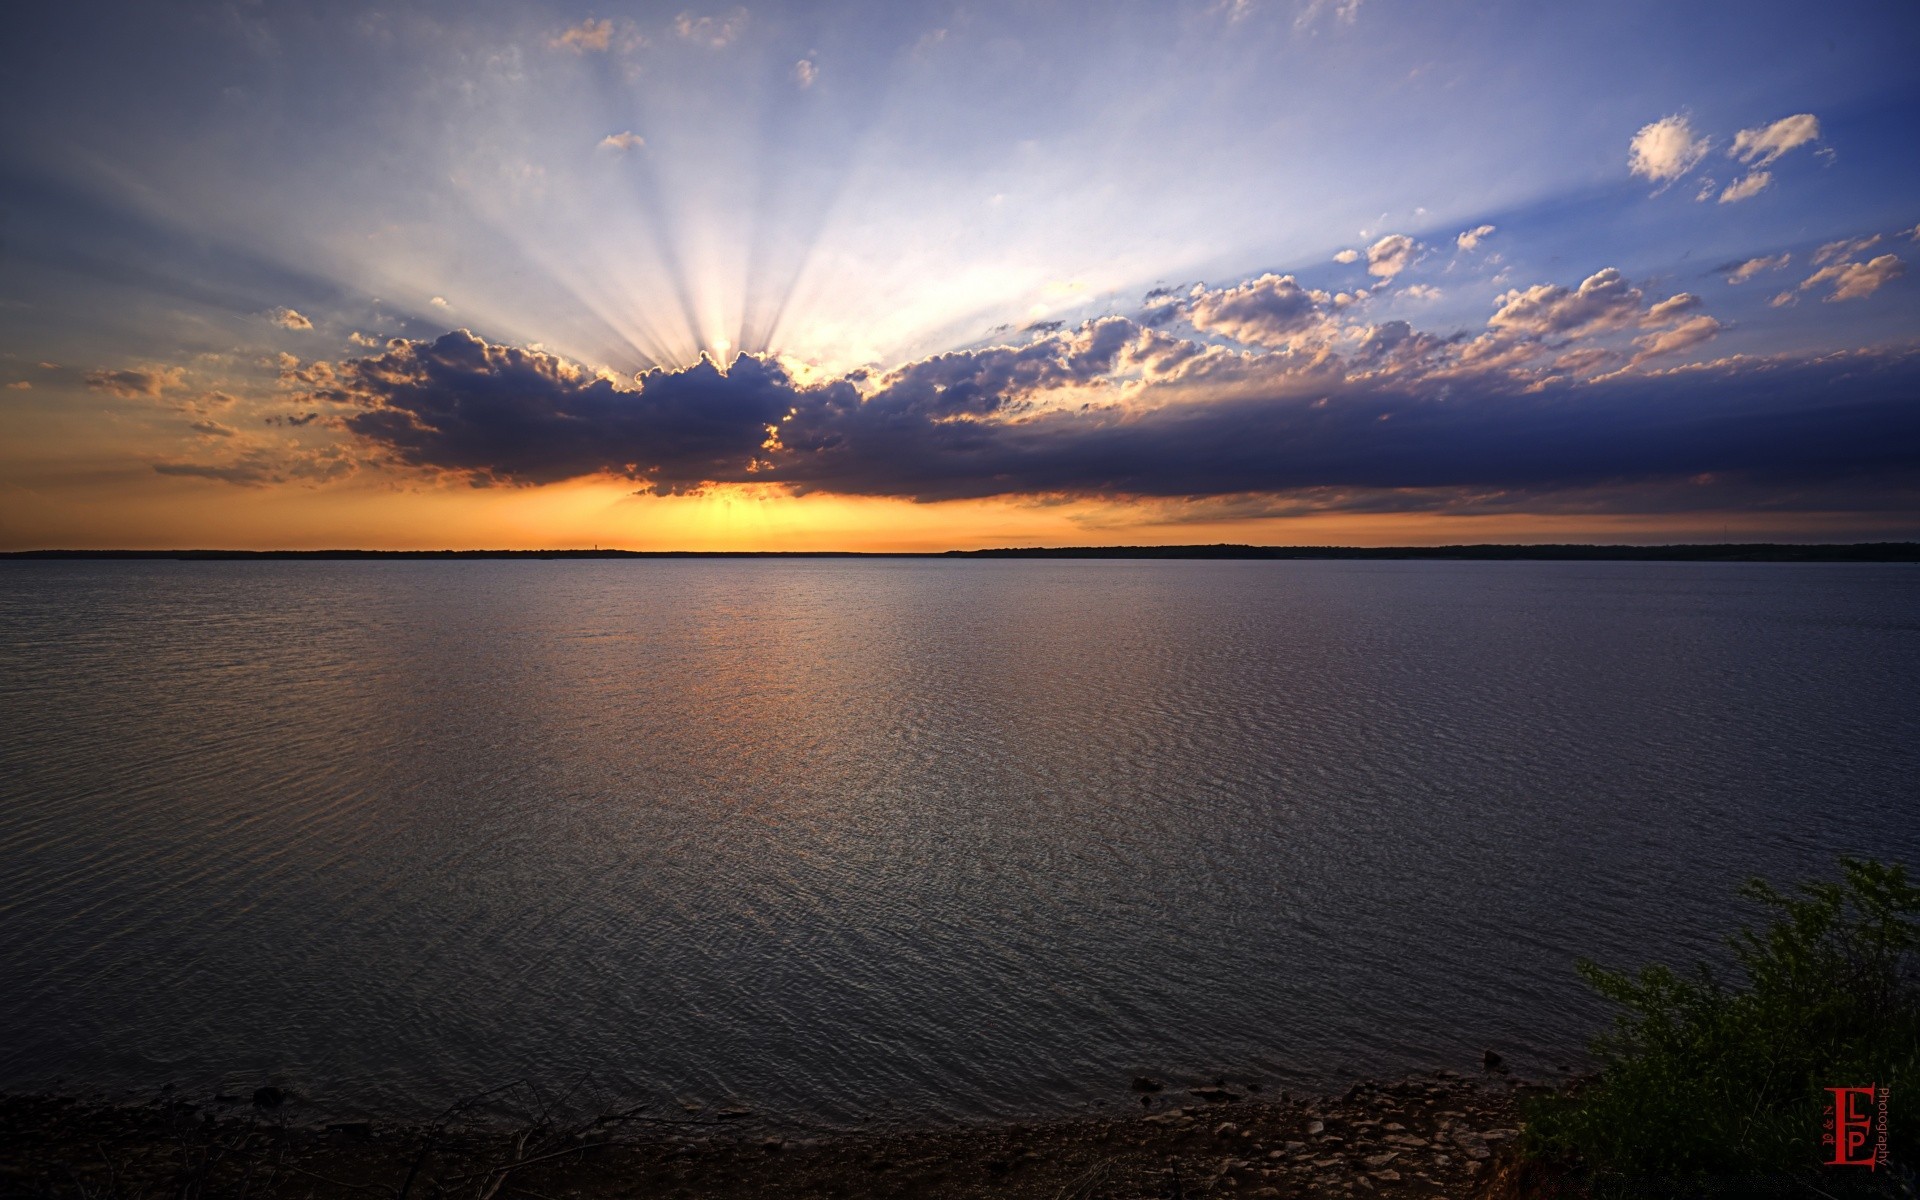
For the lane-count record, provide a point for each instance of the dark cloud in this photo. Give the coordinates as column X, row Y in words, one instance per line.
column 500, row 413
column 1062, row 416
column 245, row 474
column 135, row 385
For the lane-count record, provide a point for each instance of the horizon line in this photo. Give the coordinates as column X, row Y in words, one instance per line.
column 1883, row 551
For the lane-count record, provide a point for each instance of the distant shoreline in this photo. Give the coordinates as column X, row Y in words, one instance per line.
column 1854, row 552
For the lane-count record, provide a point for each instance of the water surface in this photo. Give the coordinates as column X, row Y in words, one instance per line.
column 916, row 838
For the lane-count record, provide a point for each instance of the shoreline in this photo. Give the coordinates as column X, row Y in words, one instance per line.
column 1434, row 1134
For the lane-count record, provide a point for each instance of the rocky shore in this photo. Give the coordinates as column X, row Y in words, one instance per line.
column 1431, row 1135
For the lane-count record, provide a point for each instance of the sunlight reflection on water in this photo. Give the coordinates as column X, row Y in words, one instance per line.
column 912, row 837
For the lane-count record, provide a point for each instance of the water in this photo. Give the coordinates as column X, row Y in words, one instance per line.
column 921, row 839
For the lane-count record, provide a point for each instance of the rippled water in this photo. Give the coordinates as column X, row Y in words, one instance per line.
column 907, row 837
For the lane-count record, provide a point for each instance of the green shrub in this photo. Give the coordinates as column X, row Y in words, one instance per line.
column 1706, row 1076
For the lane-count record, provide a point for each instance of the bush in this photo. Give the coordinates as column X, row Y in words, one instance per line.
column 1704, row 1077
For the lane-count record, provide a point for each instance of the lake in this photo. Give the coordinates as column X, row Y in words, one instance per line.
column 901, row 838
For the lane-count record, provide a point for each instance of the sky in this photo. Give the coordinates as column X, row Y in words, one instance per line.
column 918, row 276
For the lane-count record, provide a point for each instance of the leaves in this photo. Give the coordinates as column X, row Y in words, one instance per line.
column 1700, row 1076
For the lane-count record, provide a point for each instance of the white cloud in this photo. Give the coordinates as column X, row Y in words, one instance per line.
column 1684, row 336
column 1748, row 185
column 623, row 142
column 1753, row 266
column 1844, row 248
column 20, row 385
column 1390, row 255
column 1670, row 308
column 439, row 302
column 1272, row 310
column 1473, row 237
column 1666, row 149
column 1604, row 301
column 588, row 35
column 1783, row 299
column 1422, row 291
column 804, row 73
column 1347, row 256
column 286, row 318
column 1856, row 281
column 1761, row 145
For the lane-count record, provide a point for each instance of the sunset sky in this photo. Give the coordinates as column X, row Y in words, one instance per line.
column 925, row 275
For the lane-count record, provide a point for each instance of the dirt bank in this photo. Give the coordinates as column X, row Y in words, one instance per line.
column 1427, row 1136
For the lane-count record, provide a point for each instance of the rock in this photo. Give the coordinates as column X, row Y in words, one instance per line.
column 1492, row 1061
column 1225, row 1129
column 1387, row 1174
column 223, row 1098
column 1145, row 1084
column 1381, row 1160
column 268, row 1097
column 353, row 1131
column 773, row 1145
column 1316, row 1128
column 1214, row 1095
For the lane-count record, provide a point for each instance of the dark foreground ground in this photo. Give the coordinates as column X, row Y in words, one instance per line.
column 1438, row 1135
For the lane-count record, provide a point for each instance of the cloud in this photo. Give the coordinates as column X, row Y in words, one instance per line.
column 245, row 474
column 1845, row 248
column 804, row 73
column 1268, row 311
column 504, row 414
column 588, row 36
column 1473, row 237
column 1666, row 149
column 1762, row 145
column 1856, row 281
column 1754, row 266
column 1390, row 255
column 145, row 384
column 978, row 423
column 439, row 302
column 1347, row 256
column 1747, row 186
column 623, row 142
column 1671, row 307
column 286, row 318
column 1684, row 336
column 20, row 385
column 1311, row 11
column 716, row 32
column 1604, row 301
